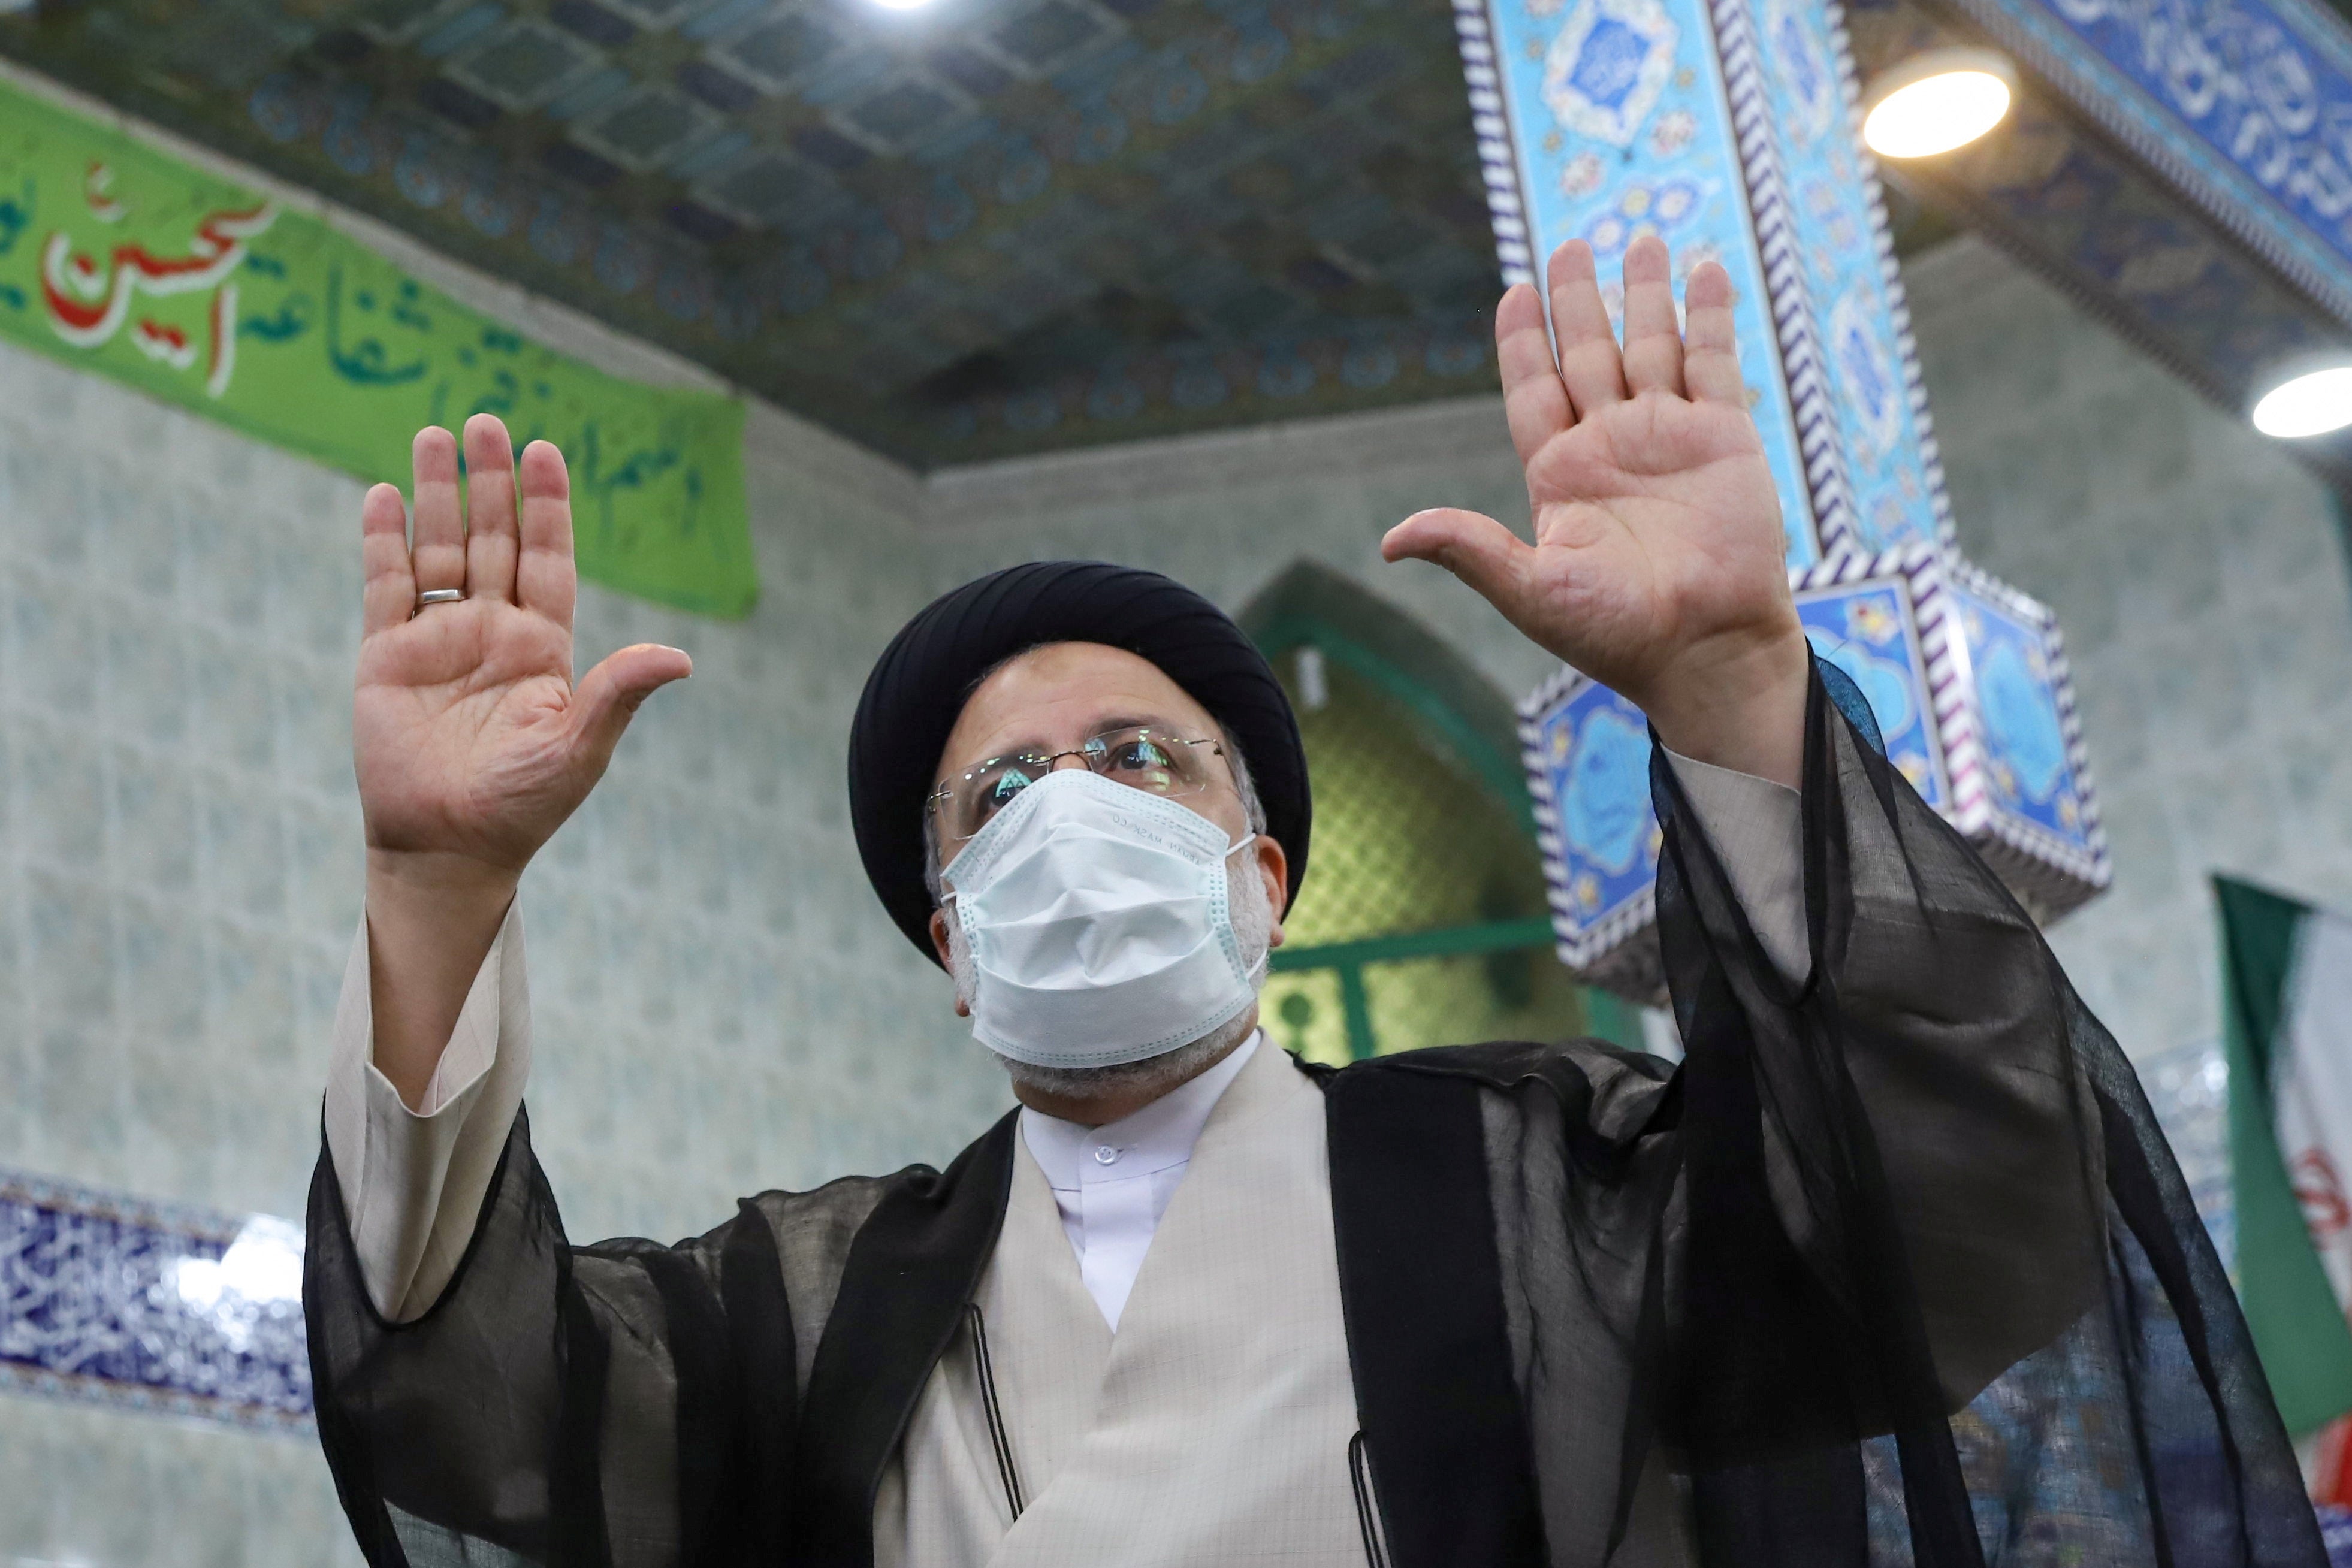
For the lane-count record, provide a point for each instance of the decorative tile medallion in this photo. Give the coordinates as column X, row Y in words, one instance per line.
column 1588, row 758
column 1968, row 682
column 1607, row 66
column 149, row 1306
column 2040, row 818
column 1870, row 629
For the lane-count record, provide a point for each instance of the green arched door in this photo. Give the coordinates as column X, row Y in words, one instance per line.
column 1422, row 920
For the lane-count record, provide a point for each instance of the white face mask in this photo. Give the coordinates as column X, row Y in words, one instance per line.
column 1099, row 925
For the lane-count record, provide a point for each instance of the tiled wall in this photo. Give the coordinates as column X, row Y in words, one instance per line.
column 180, row 881
column 1228, row 513
column 720, row 1005
column 2198, row 575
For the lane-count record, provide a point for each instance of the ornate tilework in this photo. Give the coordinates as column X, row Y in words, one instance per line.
column 1588, row 758
column 1606, row 66
column 2241, row 103
column 1609, row 119
column 1845, row 265
column 2119, row 227
column 1724, row 127
column 2041, row 818
column 1967, row 681
column 1747, row 152
column 1869, row 629
column 175, row 1310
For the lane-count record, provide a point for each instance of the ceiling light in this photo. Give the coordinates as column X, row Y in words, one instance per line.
column 902, row 4
column 2312, row 403
column 1938, row 100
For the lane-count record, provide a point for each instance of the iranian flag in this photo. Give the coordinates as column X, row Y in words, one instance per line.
column 2287, row 1001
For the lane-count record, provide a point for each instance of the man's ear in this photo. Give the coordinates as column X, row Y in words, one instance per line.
column 1274, row 866
column 940, row 946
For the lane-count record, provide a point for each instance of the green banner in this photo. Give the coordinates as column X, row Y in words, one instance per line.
column 118, row 259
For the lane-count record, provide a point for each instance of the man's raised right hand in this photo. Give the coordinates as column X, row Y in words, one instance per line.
column 472, row 742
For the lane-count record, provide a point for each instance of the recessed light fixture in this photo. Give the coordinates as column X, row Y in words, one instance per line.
column 2314, row 401
column 1938, row 100
column 902, row 4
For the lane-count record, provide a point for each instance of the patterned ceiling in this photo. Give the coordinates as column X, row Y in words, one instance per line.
column 979, row 228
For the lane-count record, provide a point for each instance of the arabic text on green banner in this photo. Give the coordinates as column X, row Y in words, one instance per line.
column 121, row 259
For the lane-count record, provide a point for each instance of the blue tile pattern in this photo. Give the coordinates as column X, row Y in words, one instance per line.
column 1588, row 758
column 1619, row 125
column 1969, row 684
column 1868, row 630
column 2029, row 773
column 2240, row 101
column 1836, row 226
column 1728, row 127
column 163, row 1308
column 2171, row 165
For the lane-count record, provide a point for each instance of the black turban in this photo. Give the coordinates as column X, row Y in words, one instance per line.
column 918, row 688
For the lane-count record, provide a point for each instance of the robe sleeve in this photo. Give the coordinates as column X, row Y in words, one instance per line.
column 1927, row 1285
column 412, row 1177
column 1755, row 828
column 622, row 1405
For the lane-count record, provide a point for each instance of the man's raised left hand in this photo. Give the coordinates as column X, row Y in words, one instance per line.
column 1657, row 562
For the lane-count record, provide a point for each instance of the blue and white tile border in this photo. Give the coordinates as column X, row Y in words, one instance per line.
column 165, row 1308
column 1601, row 951
column 1951, row 708
column 2058, row 48
column 2053, row 873
column 2050, row 874
column 1789, row 305
column 1498, row 159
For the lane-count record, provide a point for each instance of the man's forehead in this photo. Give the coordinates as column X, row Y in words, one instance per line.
column 1060, row 693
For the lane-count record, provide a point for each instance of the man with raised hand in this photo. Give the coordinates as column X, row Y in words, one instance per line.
column 1892, row 1269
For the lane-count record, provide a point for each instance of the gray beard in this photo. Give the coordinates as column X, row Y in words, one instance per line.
column 1153, row 1076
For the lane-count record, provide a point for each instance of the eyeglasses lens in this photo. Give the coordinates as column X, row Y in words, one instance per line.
column 1156, row 761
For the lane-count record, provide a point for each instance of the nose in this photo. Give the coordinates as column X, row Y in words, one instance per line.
column 1073, row 759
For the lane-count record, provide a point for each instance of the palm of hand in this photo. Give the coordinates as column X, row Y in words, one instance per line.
column 468, row 736
column 1657, row 522
column 1657, row 566
column 460, row 723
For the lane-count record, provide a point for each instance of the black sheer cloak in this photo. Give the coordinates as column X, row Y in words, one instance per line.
column 620, row 1404
column 1895, row 1267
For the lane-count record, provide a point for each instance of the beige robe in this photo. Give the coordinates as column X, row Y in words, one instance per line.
column 1212, row 1428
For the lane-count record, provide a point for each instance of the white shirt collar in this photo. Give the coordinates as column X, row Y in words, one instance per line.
column 1155, row 1138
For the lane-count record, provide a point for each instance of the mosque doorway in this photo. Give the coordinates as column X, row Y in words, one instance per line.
column 1422, row 920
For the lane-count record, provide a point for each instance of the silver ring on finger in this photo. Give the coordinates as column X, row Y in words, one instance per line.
column 439, row 596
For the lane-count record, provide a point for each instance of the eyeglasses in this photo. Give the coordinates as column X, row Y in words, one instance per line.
column 1141, row 757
